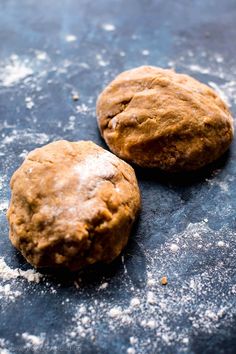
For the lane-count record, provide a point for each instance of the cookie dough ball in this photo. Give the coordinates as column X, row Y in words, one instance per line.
column 73, row 204
column 158, row 118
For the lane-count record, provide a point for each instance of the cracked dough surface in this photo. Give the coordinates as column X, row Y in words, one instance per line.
column 157, row 118
column 73, row 204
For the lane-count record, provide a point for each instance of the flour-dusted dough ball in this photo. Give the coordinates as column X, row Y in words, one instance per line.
column 73, row 204
column 158, row 118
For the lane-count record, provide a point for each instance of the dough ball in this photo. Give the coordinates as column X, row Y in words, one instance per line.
column 158, row 118
column 73, row 204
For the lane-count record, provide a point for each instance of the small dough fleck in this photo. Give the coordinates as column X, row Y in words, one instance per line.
column 155, row 117
column 73, row 204
column 164, row 281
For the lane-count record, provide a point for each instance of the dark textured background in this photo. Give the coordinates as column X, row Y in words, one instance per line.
column 186, row 34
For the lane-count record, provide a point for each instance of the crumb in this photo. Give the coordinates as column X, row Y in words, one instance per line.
column 164, row 281
column 75, row 96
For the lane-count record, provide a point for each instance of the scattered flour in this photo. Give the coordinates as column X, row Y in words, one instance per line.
column 101, row 61
column 103, row 286
column 24, row 154
column 108, row 27
column 3, row 347
column 133, row 340
column 14, row 71
column 151, row 298
column 7, row 273
column 83, row 108
column 4, row 205
column 145, row 52
column 174, row 247
column 199, row 69
column 6, row 293
column 23, row 136
column 29, row 102
column 41, row 55
column 32, row 341
column 195, row 299
column 71, row 124
column 10, row 288
column 1, row 182
column 222, row 79
column 71, row 38
column 115, row 312
column 135, row 302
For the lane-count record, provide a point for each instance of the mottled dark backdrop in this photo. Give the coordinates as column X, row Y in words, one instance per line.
column 53, row 49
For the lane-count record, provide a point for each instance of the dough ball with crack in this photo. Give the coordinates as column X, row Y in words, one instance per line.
column 158, row 118
column 73, row 204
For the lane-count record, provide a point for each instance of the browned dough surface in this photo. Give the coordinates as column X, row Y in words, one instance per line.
column 73, row 204
column 158, row 118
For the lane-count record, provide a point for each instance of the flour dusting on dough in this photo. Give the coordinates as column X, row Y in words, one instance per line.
column 100, row 165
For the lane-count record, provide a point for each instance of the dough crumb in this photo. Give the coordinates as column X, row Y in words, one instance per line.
column 164, row 281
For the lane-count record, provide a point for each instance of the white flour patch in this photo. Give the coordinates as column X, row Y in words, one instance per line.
column 29, row 102
column 7, row 273
column 199, row 69
column 14, row 70
column 41, row 55
column 32, row 341
column 115, row 312
column 222, row 184
column 145, row 52
column 109, row 27
column 6, row 293
column 135, row 302
column 4, row 205
column 219, row 58
column 23, row 136
column 12, row 281
column 82, row 108
column 3, row 346
column 71, row 38
column 221, row 244
column 174, row 247
column 101, row 61
column 1, row 182
column 103, row 286
column 24, row 154
column 71, row 124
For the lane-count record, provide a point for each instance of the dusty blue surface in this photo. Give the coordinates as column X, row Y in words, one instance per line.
column 196, row 213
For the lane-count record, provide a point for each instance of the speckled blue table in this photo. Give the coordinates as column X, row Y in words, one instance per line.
column 186, row 231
